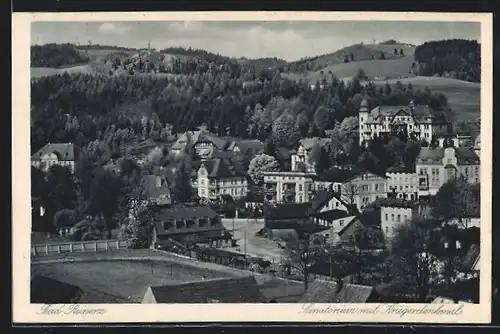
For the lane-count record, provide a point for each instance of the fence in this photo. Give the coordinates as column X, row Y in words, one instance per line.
column 83, row 246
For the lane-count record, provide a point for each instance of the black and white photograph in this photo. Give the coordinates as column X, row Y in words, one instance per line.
column 256, row 162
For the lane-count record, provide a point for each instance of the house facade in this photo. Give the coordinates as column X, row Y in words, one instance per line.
column 402, row 184
column 436, row 166
column 157, row 189
column 204, row 143
column 355, row 186
column 219, row 176
column 59, row 154
column 300, row 160
column 196, row 222
column 288, row 187
column 412, row 121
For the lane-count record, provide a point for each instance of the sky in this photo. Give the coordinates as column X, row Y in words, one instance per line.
column 289, row 40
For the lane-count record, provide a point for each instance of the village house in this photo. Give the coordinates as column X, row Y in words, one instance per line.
column 288, row 187
column 220, row 176
column 418, row 121
column 329, row 210
column 290, row 219
column 247, row 146
column 355, row 186
column 402, row 183
column 395, row 212
column 157, row 189
column 219, row 290
column 204, row 143
column 301, row 161
column 59, row 154
column 436, row 166
column 199, row 223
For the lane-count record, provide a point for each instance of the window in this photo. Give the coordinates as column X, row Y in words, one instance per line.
column 386, row 216
column 341, row 222
column 336, row 204
column 392, row 217
column 300, row 198
column 300, row 187
column 399, row 218
column 387, row 229
column 376, row 187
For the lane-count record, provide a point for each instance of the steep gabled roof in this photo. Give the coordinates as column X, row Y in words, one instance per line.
column 226, row 290
column 323, row 197
column 252, row 145
column 150, row 183
column 321, row 291
column 45, row 290
column 63, row 151
column 221, row 168
column 308, row 143
column 198, row 137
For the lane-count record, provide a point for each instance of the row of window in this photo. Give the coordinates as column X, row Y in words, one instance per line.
column 397, row 217
column 228, row 182
column 189, row 223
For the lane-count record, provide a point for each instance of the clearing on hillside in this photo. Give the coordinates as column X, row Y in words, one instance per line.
column 464, row 98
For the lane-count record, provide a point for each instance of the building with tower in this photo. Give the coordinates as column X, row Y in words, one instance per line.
column 418, row 121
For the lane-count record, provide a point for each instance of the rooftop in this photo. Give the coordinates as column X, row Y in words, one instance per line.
column 225, row 290
column 63, row 151
column 221, row 168
column 321, row 291
column 50, row 291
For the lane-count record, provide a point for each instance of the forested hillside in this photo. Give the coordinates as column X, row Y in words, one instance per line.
column 56, row 55
column 455, row 58
column 231, row 99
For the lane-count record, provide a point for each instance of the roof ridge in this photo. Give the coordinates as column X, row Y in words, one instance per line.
column 217, row 279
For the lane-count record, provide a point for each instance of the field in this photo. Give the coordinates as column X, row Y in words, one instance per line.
column 464, row 98
column 38, row 72
column 123, row 281
column 389, row 68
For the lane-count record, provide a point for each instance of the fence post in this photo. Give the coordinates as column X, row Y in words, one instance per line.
column 46, row 249
column 117, row 244
column 59, row 249
column 106, row 244
column 95, row 246
column 71, row 247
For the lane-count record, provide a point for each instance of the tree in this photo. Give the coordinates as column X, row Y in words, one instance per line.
column 300, row 256
column 61, row 191
column 382, row 55
column 319, row 158
column 64, row 219
column 395, row 51
column 285, row 131
column 401, row 53
column 259, row 164
column 182, row 189
column 413, row 250
column 321, row 118
column 457, row 199
column 138, row 207
column 361, row 74
column 106, row 190
column 350, row 191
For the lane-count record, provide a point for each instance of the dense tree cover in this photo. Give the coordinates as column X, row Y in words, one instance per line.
column 56, row 55
column 259, row 164
column 105, row 47
column 456, row 58
column 457, row 199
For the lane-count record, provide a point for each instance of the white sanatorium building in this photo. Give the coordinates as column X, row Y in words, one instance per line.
column 60, row 154
column 418, row 121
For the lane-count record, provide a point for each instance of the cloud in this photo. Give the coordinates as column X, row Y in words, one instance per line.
column 186, row 26
column 114, row 28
